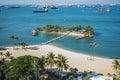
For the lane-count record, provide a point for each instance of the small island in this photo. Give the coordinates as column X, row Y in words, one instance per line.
column 78, row 30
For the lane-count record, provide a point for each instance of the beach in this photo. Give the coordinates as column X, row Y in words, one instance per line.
column 76, row 60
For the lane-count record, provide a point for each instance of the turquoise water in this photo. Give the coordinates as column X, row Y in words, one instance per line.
column 22, row 21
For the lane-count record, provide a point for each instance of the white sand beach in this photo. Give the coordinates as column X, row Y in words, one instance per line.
column 76, row 60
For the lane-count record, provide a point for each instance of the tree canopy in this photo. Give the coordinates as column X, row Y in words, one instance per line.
column 25, row 67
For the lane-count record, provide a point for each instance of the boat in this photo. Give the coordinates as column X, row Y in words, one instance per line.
column 101, row 10
column 108, row 10
column 41, row 10
column 12, row 7
column 53, row 7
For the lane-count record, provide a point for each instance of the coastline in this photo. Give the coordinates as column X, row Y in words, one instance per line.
column 76, row 60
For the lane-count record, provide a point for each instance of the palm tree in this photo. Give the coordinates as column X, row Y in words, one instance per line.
column 115, row 65
column 34, row 66
column 89, row 30
column 92, row 46
column 1, row 54
column 14, row 38
column 62, row 63
column 23, row 45
column 119, row 71
column 44, row 59
column 51, row 59
column 7, row 55
column 11, row 57
column 3, row 60
column 73, row 73
column 73, row 70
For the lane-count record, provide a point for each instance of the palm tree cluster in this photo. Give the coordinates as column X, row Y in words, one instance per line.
column 60, row 62
column 51, row 28
column 116, row 67
column 89, row 31
column 48, row 67
column 25, row 68
column 15, row 40
column 75, row 28
column 73, row 73
column 4, row 59
column 56, row 28
column 32, row 68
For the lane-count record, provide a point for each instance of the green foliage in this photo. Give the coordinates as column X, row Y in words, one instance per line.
column 85, row 73
column 73, row 73
column 116, row 66
column 4, row 57
column 57, row 28
column 26, row 67
column 89, row 30
column 73, row 70
column 62, row 30
column 86, row 34
column 14, row 39
column 85, row 78
column 71, row 77
column 62, row 63
column 51, row 59
column 51, row 28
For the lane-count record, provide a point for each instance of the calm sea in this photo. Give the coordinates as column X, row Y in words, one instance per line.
column 21, row 21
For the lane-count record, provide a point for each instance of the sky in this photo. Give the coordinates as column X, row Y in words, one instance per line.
column 55, row 2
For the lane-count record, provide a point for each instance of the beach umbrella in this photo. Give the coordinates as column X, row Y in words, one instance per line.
column 106, row 74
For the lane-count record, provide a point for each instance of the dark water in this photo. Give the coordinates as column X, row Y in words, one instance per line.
column 22, row 21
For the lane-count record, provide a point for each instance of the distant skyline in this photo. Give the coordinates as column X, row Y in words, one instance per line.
column 56, row 2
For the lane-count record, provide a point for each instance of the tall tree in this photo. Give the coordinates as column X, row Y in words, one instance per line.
column 1, row 54
column 92, row 47
column 44, row 59
column 13, row 38
column 51, row 59
column 115, row 65
column 62, row 63
column 8, row 54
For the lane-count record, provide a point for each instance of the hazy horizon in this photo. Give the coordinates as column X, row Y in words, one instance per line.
column 56, row 2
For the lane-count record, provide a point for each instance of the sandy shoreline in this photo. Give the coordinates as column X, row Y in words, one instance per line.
column 76, row 60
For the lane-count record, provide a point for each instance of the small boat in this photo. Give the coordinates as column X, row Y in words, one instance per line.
column 101, row 10
column 41, row 10
column 53, row 7
column 108, row 10
column 12, row 7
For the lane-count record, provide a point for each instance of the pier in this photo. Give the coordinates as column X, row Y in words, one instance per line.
column 54, row 39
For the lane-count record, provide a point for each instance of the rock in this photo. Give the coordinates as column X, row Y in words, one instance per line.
column 35, row 33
